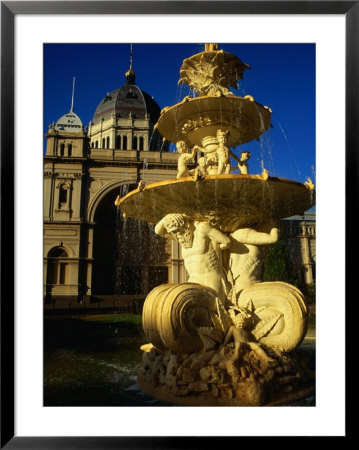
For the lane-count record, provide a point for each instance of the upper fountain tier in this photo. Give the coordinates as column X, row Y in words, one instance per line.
column 211, row 73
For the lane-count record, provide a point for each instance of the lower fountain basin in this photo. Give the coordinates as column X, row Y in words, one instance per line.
column 228, row 201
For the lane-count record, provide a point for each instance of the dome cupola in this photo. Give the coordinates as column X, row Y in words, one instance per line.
column 125, row 119
column 127, row 101
column 69, row 122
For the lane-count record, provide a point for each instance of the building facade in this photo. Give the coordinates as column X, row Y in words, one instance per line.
column 299, row 235
column 92, row 254
column 93, row 257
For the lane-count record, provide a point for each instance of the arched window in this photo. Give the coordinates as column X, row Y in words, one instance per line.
column 134, row 143
column 108, row 142
column 118, row 141
column 124, row 142
column 92, row 144
column 62, row 149
column 103, row 143
column 63, row 195
column 96, row 144
column 69, row 150
column 141, row 143
column 57, row 266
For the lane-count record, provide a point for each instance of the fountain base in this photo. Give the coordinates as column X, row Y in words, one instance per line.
column 219, row 378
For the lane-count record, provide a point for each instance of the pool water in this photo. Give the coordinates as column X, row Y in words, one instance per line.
column 94, row 360
column 89, row 362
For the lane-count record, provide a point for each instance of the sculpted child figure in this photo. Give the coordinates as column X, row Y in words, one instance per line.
column 223, row 152
column 201, row 250
column 184, row 159
column 219, row 156
column 240, row 332
column 243, row 163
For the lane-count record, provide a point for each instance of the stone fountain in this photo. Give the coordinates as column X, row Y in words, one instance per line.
column 224, row 337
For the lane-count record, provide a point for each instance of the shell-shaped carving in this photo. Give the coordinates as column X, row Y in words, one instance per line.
column 174, row 313
column 282, row 313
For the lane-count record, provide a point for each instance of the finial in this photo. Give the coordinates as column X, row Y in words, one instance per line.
column 130, row 74
column 73, row 93
column 131, row 55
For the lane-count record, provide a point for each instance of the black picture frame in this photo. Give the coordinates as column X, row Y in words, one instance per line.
column 9, row 9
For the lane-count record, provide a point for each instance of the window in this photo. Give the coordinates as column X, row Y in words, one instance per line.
column 118, row 141
column 124, row 142
column 62, row 273
column 103, row 143
column 141, row 143
column 96, row 144
column 57, row 266
column 108, row 142
column 62, row 149
column 134, row 143
column 69, row 150
column 92, row 144
column 63, row 195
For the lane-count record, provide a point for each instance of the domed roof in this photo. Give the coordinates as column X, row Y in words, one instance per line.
column 69, row 122
column 129, row 100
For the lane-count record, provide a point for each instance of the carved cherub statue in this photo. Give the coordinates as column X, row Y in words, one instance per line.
column 240, row 332
column 218, row 156
column 207, row 164
column 243, row 163
column 223, row 152
column 184, row 159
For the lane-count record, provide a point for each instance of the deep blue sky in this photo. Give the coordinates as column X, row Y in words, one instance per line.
column 282, row 76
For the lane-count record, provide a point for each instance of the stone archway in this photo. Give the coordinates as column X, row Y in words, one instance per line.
column 129, row 259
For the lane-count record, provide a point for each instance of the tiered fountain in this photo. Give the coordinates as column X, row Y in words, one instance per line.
column 224, row 337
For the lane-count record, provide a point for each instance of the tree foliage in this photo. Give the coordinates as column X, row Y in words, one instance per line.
column 276, row 263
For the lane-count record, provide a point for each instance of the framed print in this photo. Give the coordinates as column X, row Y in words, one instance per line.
column 48, row 45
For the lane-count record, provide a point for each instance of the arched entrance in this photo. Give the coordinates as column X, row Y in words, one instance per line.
column 129, row 259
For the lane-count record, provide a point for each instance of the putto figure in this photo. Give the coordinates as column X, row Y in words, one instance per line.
column 223, row 152
column 218, row 157
column 243, row 163
column 201, row 250
column 183, row 159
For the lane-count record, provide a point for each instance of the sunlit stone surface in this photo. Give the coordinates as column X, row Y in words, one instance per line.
column 224, row 337
column 235, row 200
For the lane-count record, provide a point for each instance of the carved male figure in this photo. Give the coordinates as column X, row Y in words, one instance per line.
column 246, row 258
column 201, row 250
